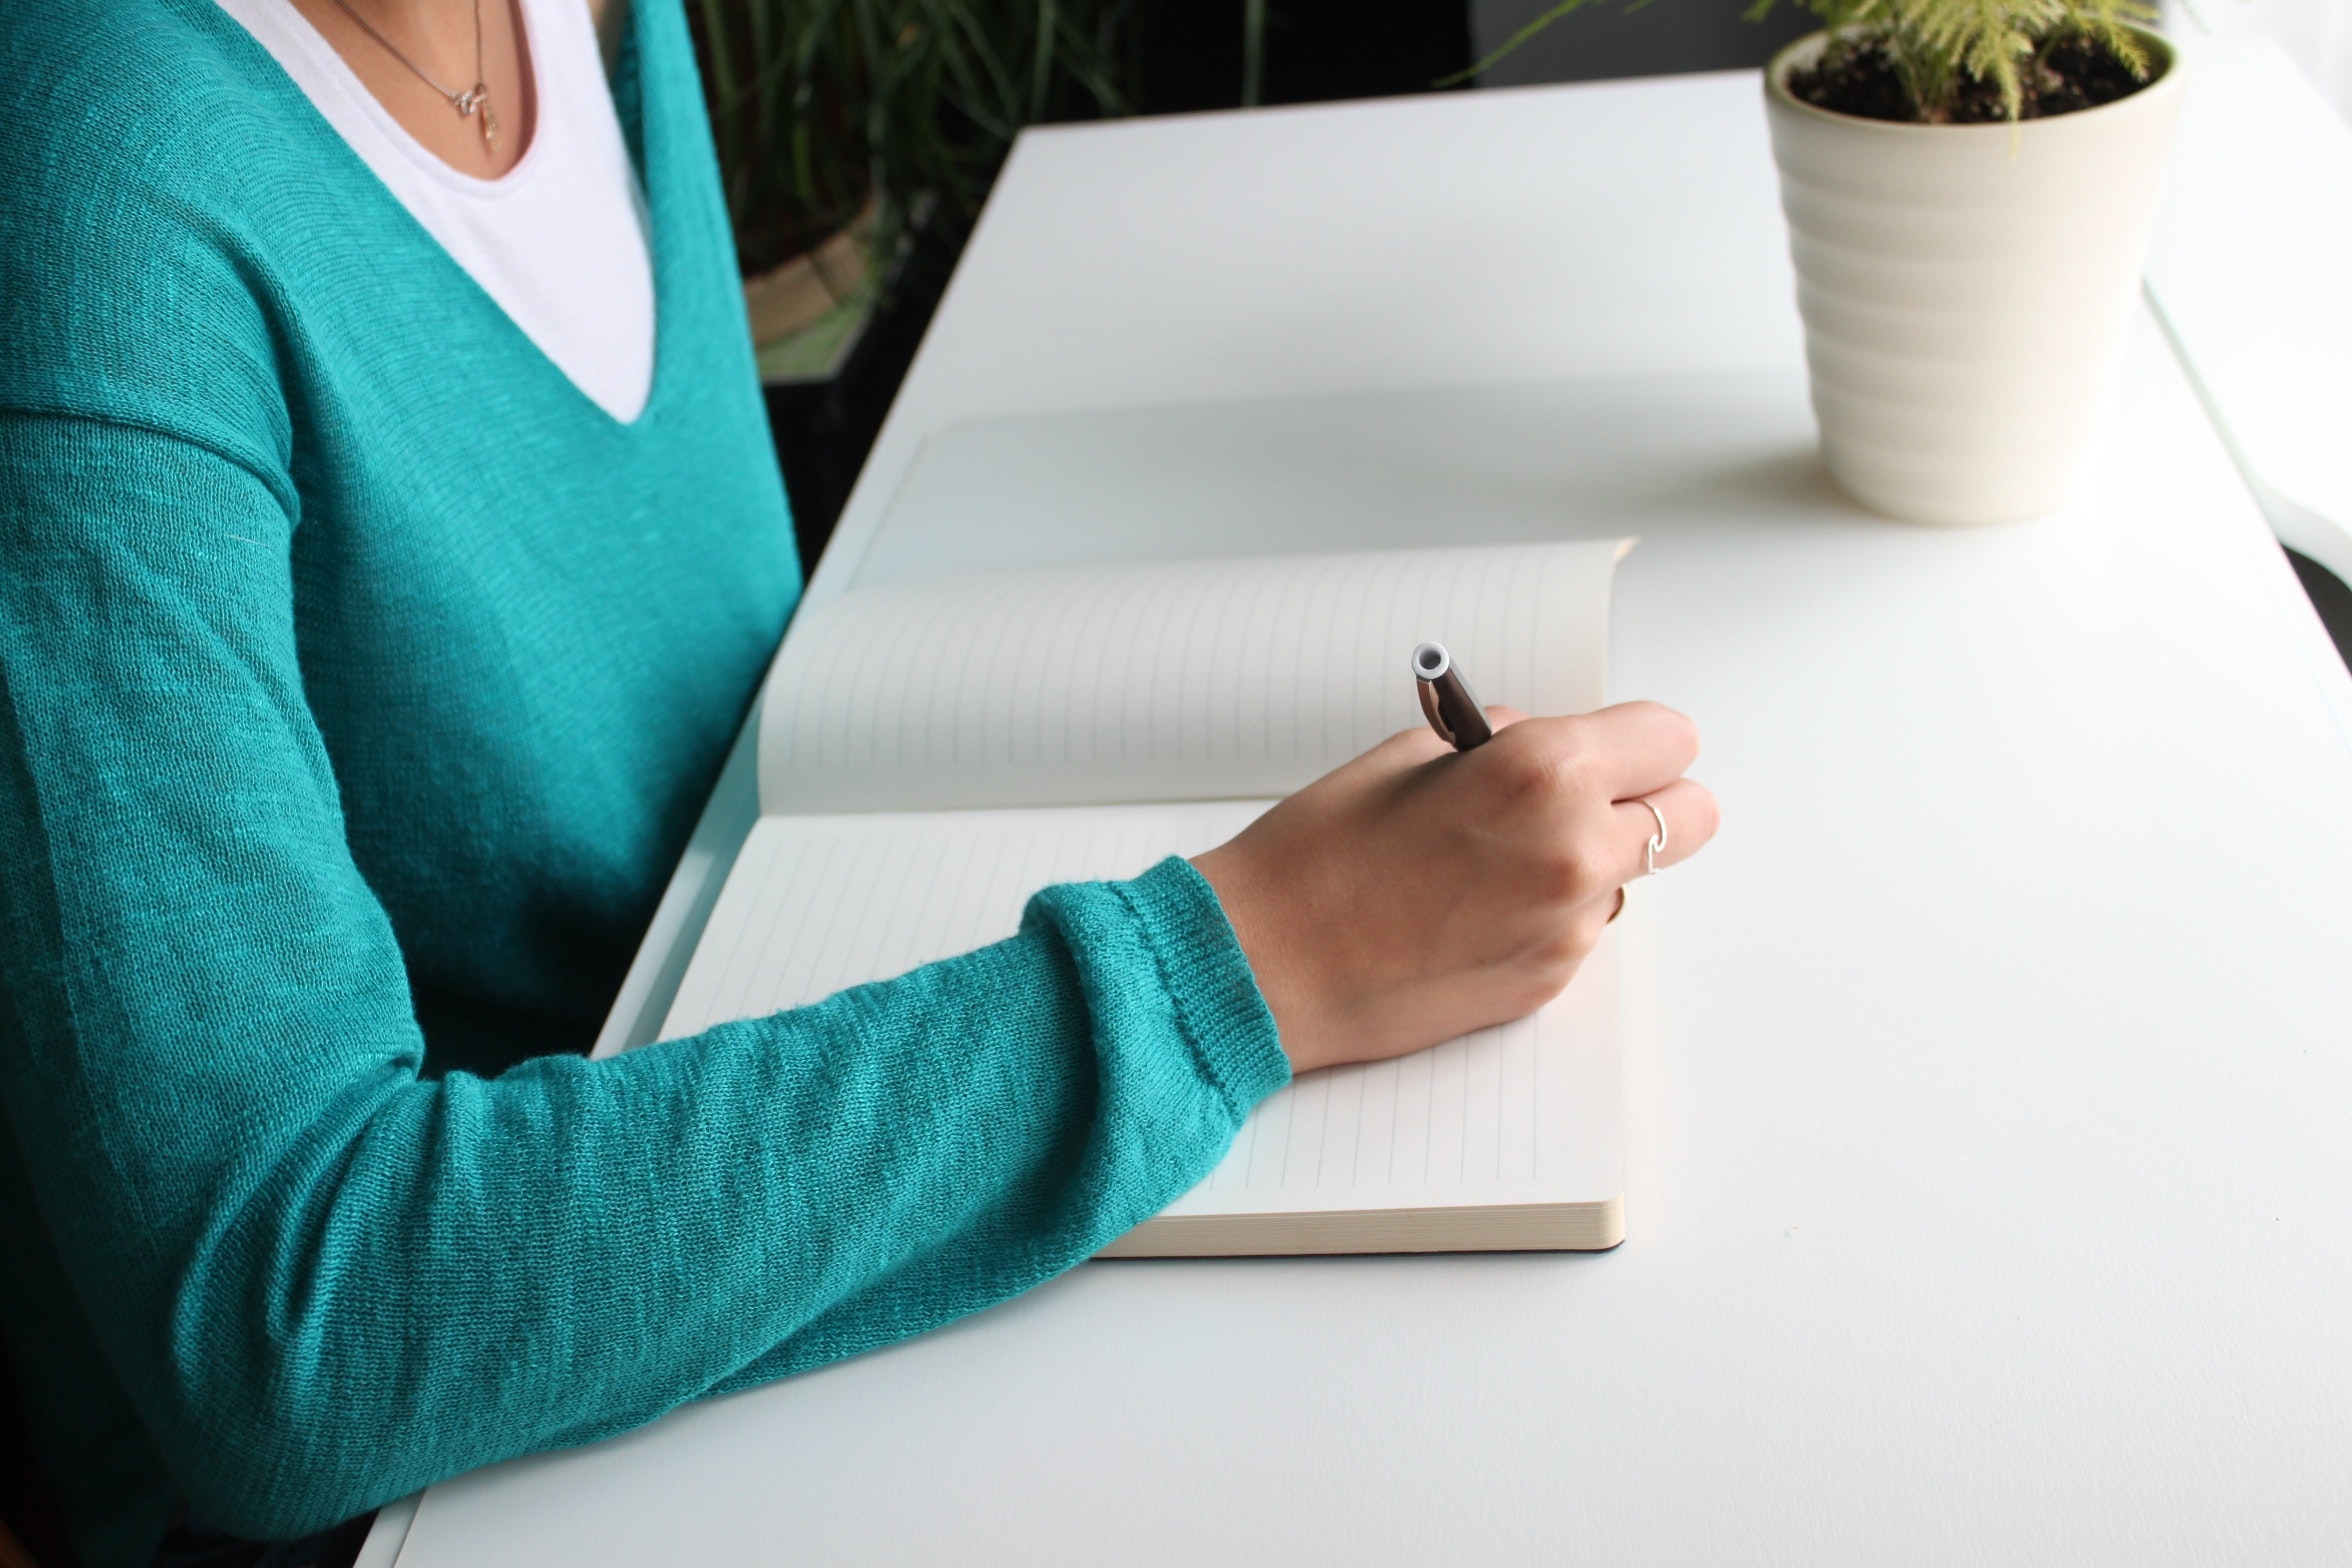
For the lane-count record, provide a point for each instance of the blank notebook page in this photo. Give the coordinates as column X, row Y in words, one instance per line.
column 1244, row 677
column 1525, row 1113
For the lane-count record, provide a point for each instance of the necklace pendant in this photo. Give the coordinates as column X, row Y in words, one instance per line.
column 474, row 104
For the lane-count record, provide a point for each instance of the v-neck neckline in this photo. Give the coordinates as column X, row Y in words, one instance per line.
column 644, row 154
column 428, row 163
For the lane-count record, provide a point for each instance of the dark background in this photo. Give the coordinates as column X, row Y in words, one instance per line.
column 1609, row 38
column 2330, row 598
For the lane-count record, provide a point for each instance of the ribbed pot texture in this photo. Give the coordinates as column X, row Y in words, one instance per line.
column 1965, row 289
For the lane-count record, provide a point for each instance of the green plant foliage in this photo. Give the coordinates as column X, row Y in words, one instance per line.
column 819, row 106
column 1938, row 45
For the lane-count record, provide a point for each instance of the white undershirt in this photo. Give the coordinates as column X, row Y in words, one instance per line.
column 560, row 240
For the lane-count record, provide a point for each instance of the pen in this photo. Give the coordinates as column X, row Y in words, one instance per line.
column 1446, row 699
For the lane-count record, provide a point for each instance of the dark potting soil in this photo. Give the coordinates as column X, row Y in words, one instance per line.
column 1857, row 76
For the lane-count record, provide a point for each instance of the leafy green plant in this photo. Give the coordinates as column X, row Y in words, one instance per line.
column 820, row 107
column 1941, row 49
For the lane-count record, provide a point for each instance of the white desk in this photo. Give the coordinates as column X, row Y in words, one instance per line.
column 1990, row 1080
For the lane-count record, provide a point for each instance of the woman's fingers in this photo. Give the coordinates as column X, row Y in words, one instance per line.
column 1622, row 752
column 1689, row 812
column 1638, row 748
column 1635, row 750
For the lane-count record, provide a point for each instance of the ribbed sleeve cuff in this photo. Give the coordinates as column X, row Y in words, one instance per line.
column 1219, row 1009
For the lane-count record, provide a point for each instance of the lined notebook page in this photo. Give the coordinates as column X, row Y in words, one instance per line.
column 1237, row 677
column 1525, row 1113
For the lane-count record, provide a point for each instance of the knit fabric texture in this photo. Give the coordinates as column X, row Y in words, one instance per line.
column 360, row 680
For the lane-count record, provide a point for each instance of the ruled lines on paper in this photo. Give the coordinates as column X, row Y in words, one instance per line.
column 1174, row 680
column 1459, row 1114
column 815, row 905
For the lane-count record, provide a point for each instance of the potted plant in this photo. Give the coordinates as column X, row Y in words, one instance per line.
column 1969, row 187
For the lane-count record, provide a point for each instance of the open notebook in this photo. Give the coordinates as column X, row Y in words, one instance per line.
column 932, row 751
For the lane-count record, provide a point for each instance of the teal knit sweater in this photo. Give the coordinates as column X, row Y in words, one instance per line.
column 359, row 682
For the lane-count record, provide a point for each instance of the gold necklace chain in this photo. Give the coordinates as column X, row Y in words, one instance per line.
column 474, row 101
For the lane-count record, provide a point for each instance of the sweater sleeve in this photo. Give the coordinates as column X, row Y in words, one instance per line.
column 327, row 1280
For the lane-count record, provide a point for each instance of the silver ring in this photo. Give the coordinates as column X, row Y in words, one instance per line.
column 1657, row 841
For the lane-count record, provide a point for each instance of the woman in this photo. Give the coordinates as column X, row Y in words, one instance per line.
column 392, row 546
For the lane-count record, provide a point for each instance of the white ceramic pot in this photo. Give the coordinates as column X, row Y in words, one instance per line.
column 1965, row 289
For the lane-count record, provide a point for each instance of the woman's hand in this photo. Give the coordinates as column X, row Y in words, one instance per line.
column 1417, row 893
